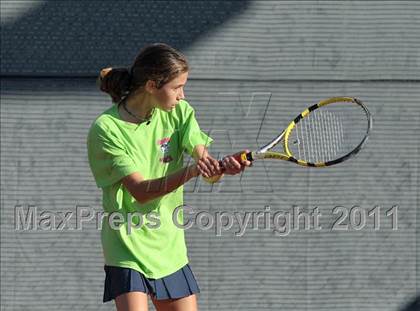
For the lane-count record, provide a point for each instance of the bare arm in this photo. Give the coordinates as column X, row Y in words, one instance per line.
column 146, row 190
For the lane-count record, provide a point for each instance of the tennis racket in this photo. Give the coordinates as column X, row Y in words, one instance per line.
column 325, row 134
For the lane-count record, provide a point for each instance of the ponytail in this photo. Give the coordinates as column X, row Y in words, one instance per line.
column 115, row 81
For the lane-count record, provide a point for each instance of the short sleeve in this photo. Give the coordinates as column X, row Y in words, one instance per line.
column 191, row 132
column 108, row 158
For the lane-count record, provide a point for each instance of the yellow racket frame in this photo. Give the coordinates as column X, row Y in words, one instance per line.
column 265, row 153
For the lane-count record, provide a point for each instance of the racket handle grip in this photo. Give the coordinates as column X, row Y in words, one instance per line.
column 243, row 157
column 240, row 157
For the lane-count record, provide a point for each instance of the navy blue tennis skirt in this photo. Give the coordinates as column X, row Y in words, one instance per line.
column 181, row 283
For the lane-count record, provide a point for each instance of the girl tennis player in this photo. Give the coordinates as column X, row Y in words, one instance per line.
column 135, row 151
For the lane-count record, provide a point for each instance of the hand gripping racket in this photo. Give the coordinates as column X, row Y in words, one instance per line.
column 325, row 134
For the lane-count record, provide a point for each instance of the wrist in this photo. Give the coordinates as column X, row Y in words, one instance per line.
column 192, row 171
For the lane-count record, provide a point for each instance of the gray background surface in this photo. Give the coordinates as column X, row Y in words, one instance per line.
column 245, row 57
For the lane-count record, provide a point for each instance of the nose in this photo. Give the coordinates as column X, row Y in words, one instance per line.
column 180, row 94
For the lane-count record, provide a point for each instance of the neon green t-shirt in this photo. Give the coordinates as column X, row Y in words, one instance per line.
column 154, row 246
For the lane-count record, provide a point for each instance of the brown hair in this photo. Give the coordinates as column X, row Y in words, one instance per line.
column 156, row 62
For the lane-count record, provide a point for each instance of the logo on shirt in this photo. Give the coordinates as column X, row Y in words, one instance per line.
column 165, row 148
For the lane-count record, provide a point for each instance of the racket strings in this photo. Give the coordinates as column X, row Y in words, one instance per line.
column 325, row 134
column 328, row 131
column 319, row 137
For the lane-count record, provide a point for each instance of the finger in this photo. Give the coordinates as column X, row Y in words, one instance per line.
column 222, row 166
column 231, row 169
column 247, row 163
column 210, row 167
column 204, row 174
column 228, row 165
column 214, row 166
column 200, row 171
column 203, row 166
column 216, row 163
column 234, row 163
column 219, row 168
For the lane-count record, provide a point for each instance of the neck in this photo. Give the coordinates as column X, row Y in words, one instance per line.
column 141, row 105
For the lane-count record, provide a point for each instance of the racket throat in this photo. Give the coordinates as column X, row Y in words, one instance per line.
column 271, row 144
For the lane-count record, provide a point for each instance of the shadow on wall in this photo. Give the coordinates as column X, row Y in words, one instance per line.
column 65, row 38
column 414, row 305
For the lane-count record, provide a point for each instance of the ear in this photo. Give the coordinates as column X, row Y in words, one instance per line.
column 150, row 86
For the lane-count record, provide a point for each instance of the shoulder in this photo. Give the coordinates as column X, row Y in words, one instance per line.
column 183, row 110
column 104, row 123
column 177, row 116
column 183, row 104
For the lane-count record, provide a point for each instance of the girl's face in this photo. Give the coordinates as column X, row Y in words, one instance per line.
column 168, row 96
